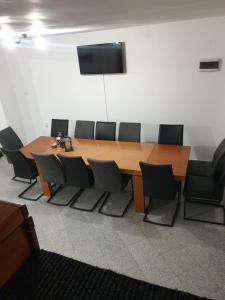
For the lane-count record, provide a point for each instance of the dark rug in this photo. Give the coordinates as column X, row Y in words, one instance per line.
column 52, row 276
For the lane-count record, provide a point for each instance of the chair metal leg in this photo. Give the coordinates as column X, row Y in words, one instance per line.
column 52, row 196
column 75, row 198
column 112, row 215
column 203, row 203
column 20, row 180
column 28, row 198
column 145, row 219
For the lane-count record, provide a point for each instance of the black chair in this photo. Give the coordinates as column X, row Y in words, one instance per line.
column 109, row 179
column 105, row 131
column 207, row 168
column 52, row 172
column 205, row 190
column 130, row 132
column 23, row 168
column 171, row 134
column 10, row 140
column 159, row 184
column 84, row 129
column 59, row 126
column 78, row 175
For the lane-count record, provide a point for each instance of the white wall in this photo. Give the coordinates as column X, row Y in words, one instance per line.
column 3, row 122
column 162, row 83
column 9, row 102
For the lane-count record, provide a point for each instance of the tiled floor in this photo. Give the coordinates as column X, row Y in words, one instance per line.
column 190, row 256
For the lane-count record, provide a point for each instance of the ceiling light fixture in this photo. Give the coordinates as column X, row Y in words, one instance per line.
column 10, row 42
column 24, row 40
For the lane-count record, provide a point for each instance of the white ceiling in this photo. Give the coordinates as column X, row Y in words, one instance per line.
column 88, row 15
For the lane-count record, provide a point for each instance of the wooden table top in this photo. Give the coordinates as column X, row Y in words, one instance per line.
column 126, row 154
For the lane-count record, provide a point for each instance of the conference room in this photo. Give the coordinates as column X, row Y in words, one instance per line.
column 112, row 151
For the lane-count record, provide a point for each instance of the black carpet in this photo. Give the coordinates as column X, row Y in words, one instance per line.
column 51, row 276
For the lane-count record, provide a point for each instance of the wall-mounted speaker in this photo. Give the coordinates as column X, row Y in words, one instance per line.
column 211, row 65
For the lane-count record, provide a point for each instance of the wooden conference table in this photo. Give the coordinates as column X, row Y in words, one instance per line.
column 126, row 154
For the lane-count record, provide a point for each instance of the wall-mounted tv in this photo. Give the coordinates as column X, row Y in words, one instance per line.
column 101, row 58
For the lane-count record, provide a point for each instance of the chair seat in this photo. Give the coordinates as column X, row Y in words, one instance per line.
column 200, row 187
column 199, row 168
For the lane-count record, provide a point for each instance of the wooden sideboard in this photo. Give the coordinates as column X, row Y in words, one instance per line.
column 18, row 240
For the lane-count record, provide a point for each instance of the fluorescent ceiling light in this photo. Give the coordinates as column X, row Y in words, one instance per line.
column 35, row 15
column 37, row 28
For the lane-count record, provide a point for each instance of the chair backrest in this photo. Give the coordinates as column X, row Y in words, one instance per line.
column 9, row 139
column 59, row 126
column 51, row 168
column 84, row 129
column 105, row 131
column 22, row 166
column 220, row 151
column 107, row 175
column 158, row 181
column 220, row 180
column 129, row 132
column 171, row 134
column 76, row 171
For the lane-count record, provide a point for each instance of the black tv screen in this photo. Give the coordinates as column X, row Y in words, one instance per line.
column 101, row 58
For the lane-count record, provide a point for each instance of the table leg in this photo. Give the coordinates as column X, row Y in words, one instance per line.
column 45, row 186
column 138, row 194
